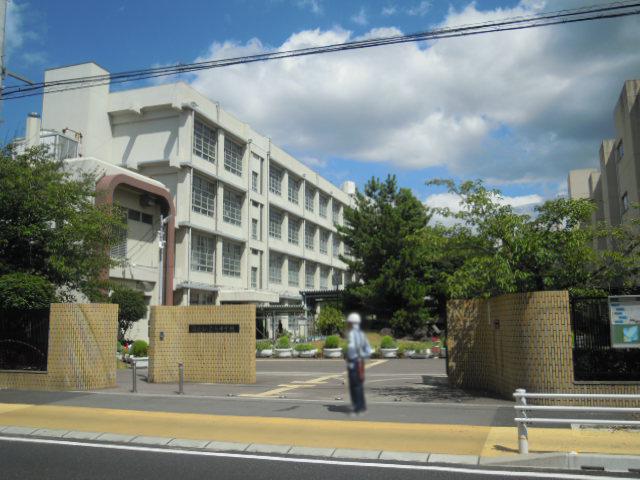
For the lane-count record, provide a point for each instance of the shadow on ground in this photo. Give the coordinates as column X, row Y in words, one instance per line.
column 432, row 389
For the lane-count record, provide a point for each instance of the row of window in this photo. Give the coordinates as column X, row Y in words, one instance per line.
column 205, row 140
column 276, row 264
column 293, row 234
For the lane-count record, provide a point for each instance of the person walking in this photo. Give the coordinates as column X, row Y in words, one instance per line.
column 357, row 350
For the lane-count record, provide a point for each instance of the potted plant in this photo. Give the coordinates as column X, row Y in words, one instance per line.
column 283, row 347
column 306, row 350
column 407, row 349
column 264, row 348
column 139, row 351
column 443, row 347
column 388, row 347
column 332, row 347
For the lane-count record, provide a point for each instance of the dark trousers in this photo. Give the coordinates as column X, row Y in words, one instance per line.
column 356, row 388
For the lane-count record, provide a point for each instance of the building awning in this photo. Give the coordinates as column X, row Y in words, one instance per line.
column 197, row 286
column 248, row 296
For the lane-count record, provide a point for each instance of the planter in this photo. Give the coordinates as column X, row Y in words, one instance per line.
column 295, row 353
column 443, row 352
column 408, row 353
column 308, row 353
column 141, row 362
column 389, row 352
column 283, row 352
column 264, row 353
column 422, row 354
column 332, row 352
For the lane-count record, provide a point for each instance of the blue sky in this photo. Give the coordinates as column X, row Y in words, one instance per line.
column 515, row 109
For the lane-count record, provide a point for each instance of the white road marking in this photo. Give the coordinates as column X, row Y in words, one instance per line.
column 394, row 466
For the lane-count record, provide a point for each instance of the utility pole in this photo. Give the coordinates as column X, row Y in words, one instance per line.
column 161, row 243
column 3, row 24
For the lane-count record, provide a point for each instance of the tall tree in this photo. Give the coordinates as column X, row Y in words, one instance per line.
column 50, row 225
column 382, row 232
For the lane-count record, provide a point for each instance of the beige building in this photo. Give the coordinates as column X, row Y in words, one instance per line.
column 615, row 186
column 252, row 224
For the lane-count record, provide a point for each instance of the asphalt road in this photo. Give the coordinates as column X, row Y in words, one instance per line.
column 69, row 462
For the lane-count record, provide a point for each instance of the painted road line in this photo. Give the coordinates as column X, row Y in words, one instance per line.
column 316, row 461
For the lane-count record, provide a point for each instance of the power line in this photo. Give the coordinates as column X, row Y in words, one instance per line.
column 597, row 12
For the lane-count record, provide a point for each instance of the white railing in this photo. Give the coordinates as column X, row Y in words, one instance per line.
column 523, row 419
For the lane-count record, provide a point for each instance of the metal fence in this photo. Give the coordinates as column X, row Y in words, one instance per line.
column 24, row 340
column 593, row 357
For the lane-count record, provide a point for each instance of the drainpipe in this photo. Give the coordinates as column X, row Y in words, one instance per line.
column 32, row 135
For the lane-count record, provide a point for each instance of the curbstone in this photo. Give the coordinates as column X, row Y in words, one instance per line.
column 404, row 456
column 312, row 452
column 357, row 454
column 19, row 430
column 52, row 433
column 178, row 442
column 76, row 435
column 266, row 448
column 611, row 463
column 115, row 437
column 226, row 446
column 539, row 460
column 462, row 459
column 145, row 440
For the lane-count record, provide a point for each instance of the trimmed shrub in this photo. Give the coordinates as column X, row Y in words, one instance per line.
column 140, row 348
column 332, row 341
column 330, row 321
column 303, row 347
column 264, row 345
column 387, row 342
column 283, row 342
column 22, row 291
column 131, row 307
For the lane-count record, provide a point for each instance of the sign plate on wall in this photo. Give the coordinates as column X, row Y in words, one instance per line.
column 214, row 328
column 624, row 316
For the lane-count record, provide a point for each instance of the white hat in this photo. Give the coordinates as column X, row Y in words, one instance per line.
column 354, row 318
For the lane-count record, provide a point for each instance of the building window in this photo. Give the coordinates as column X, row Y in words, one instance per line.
column 275, row 180
column 294, row 189
column 204, row 141
column 324, row 205
column 336, row 246
column 254, row 181
column 294, row 231
column 324, row 278
column 324, row 242
column 203, row 194
column 336, row 214
column 233, row 157
column 294, row 272
column 275, row 223
column 625, row 202
column 254, row 229
column 275, row 268
column 310, row 274
column 309, row 236
column 146, row 218
column 309, row 196
column 231, row 257
column 254, row 277
column 201, row 298
column 119, row 247
column 232, row 208
column 202, row 253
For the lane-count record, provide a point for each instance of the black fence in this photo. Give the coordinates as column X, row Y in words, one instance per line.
column 24, row 340
column 593, row 357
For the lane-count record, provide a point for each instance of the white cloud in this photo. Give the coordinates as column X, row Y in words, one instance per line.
column 419, row 9
column 313, row 162
column 18, row 34
column 516, row 107
column 360, row 18
column 389, row 10
column 314, row 5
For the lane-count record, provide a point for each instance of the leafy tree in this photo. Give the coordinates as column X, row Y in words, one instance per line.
column 50, row 225
column 330, row 320
column 131, row 308
column 22, row 291
column 383, row 231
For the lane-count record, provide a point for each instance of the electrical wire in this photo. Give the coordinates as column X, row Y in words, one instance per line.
column 567, row 16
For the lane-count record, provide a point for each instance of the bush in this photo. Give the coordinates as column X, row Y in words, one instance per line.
column 303, row 347
column 131, row 307
column 387, row 342
column 330, row 321
column 140, row 348
column 332, row 341
column 283, row 342
column 22, row 291
column 264, row 345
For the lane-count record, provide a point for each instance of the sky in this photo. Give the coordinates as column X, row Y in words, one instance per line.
column 515, row 109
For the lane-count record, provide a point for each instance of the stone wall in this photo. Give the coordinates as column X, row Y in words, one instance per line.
column 209, row 357
column 81, row 353
column 517, row 341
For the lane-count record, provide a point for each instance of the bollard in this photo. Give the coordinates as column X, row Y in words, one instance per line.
column 135, row 376
column 523, row 434
column 180, row 378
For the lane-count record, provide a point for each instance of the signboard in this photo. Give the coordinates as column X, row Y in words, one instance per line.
column 214, row 328
column 624, row 316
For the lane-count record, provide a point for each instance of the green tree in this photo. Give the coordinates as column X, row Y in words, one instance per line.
column 330, row 320
column 383, row 232
column 22, row 291
column 50, row 225
column 131, row 307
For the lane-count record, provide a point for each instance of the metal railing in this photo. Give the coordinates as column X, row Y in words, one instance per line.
column 523, row 419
